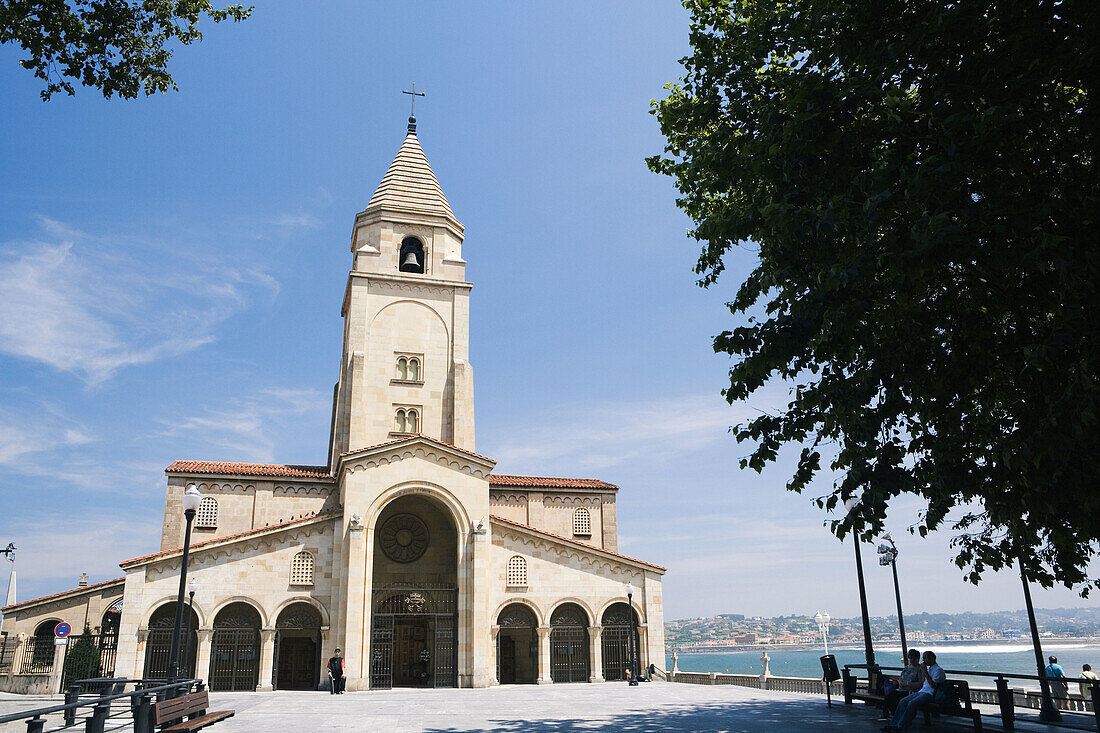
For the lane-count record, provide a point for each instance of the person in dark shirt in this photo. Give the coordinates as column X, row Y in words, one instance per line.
column 336, row 673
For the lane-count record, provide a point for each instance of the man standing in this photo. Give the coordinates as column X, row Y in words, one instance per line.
column 336, row 673
column 1059, row 688
column 931, row 674
column 1087, row 674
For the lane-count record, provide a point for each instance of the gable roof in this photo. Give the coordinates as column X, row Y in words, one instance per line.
column 231, row 538
column 223, row 468
column 570, row 541
column 410, row 185
column 417, row 438
column 65, row 593
column 550, row 482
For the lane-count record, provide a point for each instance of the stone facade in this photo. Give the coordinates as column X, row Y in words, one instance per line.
column 405, row 550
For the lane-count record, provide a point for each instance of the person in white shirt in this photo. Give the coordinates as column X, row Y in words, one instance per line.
column 931, row 675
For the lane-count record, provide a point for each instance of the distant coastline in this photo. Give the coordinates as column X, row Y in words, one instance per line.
column 879, row 644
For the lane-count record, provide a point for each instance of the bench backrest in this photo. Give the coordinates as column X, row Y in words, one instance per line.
column 960, row 694
column 178, row 707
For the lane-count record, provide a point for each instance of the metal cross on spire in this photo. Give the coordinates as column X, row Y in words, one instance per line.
column 414, row 94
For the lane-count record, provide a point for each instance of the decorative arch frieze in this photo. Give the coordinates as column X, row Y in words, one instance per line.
column 509, row 499
column 302, row 490
column 571, row 501
column 420, row 450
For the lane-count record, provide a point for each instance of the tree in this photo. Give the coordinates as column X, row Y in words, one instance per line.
column 921, row 180
column 82, row 659
column 116, row 46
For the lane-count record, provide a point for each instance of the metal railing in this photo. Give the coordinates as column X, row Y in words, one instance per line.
column 1005, row 698
column 37, row 655
column 104, row 704
column 807, row 685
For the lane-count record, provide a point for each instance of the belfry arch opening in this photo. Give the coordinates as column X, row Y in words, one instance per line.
column 414, row 595
column 411, row 256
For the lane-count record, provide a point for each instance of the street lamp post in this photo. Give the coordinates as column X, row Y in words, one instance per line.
column 868, row 649
column 191, row 500
column 191, row 588
column 630, row 640
column 822, row 619
column 888, row 555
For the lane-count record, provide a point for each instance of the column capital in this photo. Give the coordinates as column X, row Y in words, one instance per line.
column 543, row 631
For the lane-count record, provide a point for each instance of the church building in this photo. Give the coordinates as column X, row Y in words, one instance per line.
column 404, row 549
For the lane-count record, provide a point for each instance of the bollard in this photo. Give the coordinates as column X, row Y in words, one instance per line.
column 143, row 715
column 1008, row 706
column 36, row 724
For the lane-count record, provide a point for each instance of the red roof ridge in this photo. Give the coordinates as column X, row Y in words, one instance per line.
column 238, row 535
column 575, row 542
column 506, row 479
column 78, row 589
column 430, row 439
column 254, row 469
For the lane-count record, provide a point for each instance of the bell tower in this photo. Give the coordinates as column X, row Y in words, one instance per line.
column 405, row 366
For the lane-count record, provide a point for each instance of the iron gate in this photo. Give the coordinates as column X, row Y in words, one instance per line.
column 434, row 607
column 569, row 654
column 616, row 652
column 235, row 659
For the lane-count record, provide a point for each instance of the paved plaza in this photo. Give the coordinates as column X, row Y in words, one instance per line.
column 658, row 706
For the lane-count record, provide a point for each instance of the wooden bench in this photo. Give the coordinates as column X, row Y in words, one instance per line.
column 193, row 707
column 960, row 705
column 874, row 682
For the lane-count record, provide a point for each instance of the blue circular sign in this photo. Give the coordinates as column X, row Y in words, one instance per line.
column 62, row 630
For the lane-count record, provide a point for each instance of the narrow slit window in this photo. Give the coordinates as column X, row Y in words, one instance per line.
column 517, row 572
column 400, row 422
column 402, row 368
column 413, row 422
column 414, row 370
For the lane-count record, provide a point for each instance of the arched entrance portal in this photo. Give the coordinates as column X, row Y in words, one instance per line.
column 616, row 641
column 297, row 648
column 158, row 647
column 414, row 598
column 517, row 646
column 569, row 644
column 235, row 649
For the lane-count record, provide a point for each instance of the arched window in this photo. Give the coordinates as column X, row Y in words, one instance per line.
column 413, row 423
column 517, row 572
column 207, row 516
column 301, row 569
column 414, row 369
column 582, row 523
column 402, row 368
column 400, row 423
column 412, row 255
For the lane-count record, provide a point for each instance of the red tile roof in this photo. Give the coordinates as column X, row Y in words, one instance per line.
column 71, row 591
column 414, row 437
column 573, row 541
column 551, row 482
column 238, row 535
column 249, row 469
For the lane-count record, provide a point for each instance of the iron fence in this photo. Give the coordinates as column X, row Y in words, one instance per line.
column 7, row 652
column 37, row 655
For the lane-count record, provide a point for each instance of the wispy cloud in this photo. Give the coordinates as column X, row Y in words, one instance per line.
column 248, row 427
column 300, row 220
column 591, row 437
column 88, row 304
column 24, row 432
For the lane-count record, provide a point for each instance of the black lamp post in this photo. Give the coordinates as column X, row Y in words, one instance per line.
column 191, row 588
column 1047, row 711
column 630, row 641
column 191, row 500
column 888, row 555
column 868, row 649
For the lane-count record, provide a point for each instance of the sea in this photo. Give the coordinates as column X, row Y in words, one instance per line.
column 1007, row 657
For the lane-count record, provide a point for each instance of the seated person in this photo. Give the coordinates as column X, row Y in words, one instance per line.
column 908, row 681
column 931, row 674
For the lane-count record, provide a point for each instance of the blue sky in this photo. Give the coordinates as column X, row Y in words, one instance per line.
column 172, row 268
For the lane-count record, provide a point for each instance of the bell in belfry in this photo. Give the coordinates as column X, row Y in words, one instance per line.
column 410, row 263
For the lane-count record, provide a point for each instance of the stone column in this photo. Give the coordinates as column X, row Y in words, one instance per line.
column 356, row 610
column 496, row 655
column 483, row 655
column 643, row 647
column 544, row 655
column 595, row 633
column 202, row 661
column 55, row 671
column 267, row 660
column 17, row 655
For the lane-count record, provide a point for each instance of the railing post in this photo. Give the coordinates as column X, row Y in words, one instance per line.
column 95, row 723
column 36, row 724
column 71, row 696
column 143, row 715
column 1007, row 704
column 1096, row 703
